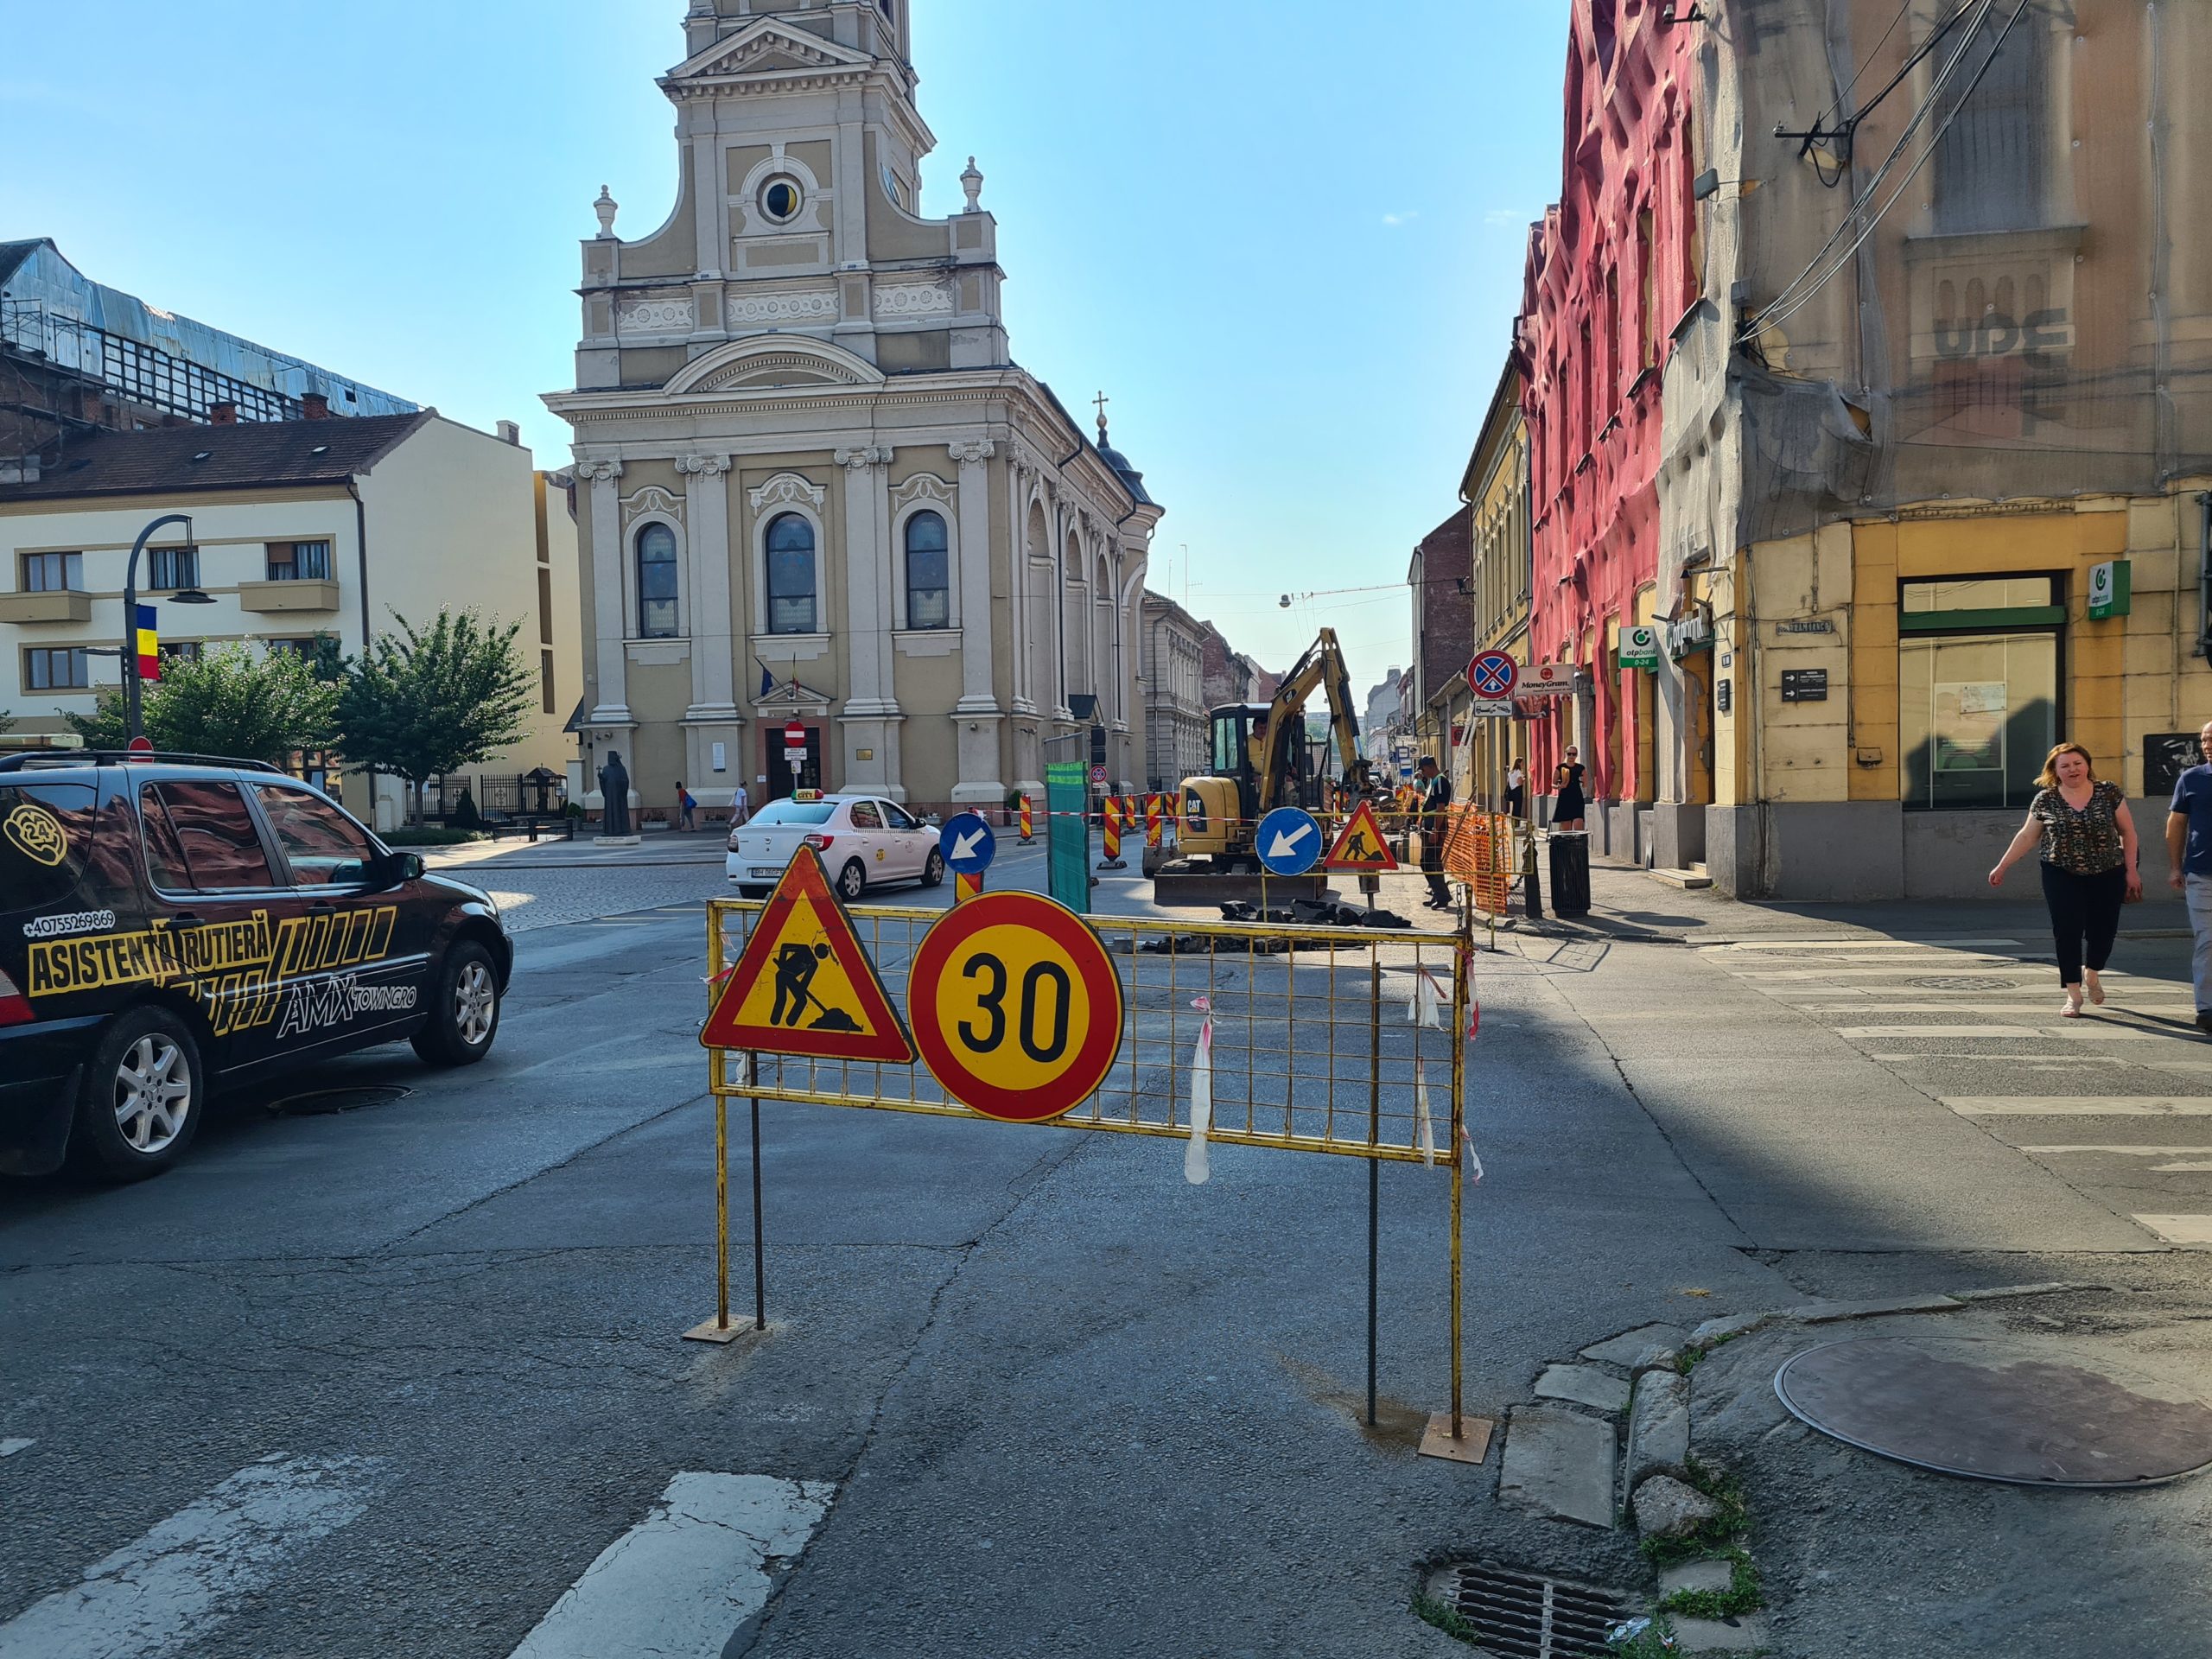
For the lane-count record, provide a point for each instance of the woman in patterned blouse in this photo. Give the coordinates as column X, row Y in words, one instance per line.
column 2087, row 839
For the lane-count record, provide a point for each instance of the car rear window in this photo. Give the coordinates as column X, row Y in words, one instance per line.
column 793, row 812
column 45, row 840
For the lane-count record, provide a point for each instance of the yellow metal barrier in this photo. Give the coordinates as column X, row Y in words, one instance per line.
column 1344, row 1040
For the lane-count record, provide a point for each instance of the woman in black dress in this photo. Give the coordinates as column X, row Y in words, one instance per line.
column 1568, row 808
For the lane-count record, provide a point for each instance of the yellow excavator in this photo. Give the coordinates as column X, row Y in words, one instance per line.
column 1261, row 761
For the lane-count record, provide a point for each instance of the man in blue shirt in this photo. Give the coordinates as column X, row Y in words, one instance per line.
column 2188, row 852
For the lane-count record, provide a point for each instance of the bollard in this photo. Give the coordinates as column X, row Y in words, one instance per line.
column 1113, row 860
column 1026, row 836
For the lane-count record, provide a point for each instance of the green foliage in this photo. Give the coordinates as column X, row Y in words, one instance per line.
column 229, row 701
column 1443, row 1615
column 1743, row 1593
column 6, row 720
column 424, row 701
column 1717, row 1536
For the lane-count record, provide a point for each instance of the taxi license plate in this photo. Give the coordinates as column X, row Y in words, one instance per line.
column 766, row 874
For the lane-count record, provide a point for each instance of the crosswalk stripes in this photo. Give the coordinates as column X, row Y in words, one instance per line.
column 181, row 1580
column 681, row 1583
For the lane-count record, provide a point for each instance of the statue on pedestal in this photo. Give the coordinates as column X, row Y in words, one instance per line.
column 614, row 787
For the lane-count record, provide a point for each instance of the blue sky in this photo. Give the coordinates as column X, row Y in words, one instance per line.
column 1285, row 238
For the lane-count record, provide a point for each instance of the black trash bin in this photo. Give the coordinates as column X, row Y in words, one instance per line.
column 1570, row 873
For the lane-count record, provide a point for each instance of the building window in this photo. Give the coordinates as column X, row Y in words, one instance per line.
column 780, row 199
column 791, row 575
column 169, row 568
column 56, row 668
column 299, row 561
column 545, row 680
column 179, row 650
column 1990, row 162
column 285, row 645
column 1977, row 689
column 53, row 573
column 929, row 589
column 656, row 582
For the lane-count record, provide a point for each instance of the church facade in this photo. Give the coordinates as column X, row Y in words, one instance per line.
column 815, row 488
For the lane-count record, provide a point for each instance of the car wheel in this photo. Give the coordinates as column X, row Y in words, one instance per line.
column 933, row 872
column 852, row 881
column 143, row 1093
column 464, row 1007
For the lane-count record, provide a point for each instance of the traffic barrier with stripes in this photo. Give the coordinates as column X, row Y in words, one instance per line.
column 1113, row 860
column 1027, row 834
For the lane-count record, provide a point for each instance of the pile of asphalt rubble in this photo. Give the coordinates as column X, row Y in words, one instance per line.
column 1299, row 912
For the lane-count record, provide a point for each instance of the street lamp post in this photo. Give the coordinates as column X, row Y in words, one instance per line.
column 191, row 595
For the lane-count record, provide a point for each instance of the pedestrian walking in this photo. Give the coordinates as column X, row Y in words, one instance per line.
column 2189, row 859
column 741, row 806
column 1568, row 808
column 2088, row 838
column 1517, row 789
column 686, row 806
column 1435, row 799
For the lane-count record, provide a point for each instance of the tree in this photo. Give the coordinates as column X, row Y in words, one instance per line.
column 228, row 701
column 424, row 702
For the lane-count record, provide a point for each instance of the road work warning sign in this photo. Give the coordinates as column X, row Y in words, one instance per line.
column 805, row 984
column 1360, row 845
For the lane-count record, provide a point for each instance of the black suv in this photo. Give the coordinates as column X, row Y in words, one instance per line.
column 169, row 921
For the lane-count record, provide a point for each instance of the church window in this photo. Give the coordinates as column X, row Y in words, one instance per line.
column 791, row 575
column 781, row 199
column 656, row 582
column 929, row 589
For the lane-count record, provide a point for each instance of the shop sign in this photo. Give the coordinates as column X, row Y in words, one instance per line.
column 1804, row 685
column 2110, row 589
column 1640, row 647
column 1689, row 633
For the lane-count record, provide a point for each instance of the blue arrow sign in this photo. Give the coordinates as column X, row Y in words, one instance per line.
column 968, row 844
column 1289, row 841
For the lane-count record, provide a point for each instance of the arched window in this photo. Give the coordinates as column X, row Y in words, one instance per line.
column 656, row 582
column 929, row 585
column 791, row 575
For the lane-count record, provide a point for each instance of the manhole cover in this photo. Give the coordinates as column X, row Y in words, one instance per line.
column 1962, row 983
column 1527, row 1615
column 2014, row 1410
column 322, row 1102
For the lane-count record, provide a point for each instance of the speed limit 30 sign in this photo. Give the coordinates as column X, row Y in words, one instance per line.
column 1015, row 1006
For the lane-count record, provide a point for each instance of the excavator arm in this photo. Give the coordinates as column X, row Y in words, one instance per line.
column 1321, row 665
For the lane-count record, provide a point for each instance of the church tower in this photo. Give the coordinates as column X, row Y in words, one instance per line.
column 801, row 152
column 815, row 488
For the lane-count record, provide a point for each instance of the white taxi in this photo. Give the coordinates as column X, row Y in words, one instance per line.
column 864, row 842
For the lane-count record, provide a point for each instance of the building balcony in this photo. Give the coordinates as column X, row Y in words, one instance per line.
column 61, row 605
column 284, row 597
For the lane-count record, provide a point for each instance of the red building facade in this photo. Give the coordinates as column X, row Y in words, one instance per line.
column 1611, row 271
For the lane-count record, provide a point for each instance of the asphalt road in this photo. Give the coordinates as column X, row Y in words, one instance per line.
column 407, row 1379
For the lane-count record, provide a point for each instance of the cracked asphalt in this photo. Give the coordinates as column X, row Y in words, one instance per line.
column 1065, row 1404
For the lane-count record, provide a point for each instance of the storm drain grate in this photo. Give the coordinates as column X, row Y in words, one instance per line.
column 1962, row 983
column 324, row 1102
column 1522, row 1615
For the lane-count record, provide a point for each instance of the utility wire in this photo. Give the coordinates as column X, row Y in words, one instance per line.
column 1774, row 310
column 1851, row 85
column 1772, row 316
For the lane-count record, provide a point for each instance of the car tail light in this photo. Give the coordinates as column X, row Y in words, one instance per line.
column 14, row 1006
column 820, row 844
column 732, row 842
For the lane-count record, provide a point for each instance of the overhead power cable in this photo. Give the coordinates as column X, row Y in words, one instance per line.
column 1859, row 202
column 1777, row 313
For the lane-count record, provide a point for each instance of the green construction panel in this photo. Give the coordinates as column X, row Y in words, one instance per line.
column 1067, row 833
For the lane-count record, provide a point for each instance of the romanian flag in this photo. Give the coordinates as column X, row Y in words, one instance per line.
column 150, row 646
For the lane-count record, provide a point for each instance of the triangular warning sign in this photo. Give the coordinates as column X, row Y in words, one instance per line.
column 805, row 984
column 1360, row 845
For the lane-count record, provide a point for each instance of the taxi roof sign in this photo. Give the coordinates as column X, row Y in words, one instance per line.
column 1361, row 844
column 806, row 794
column 803, row 984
